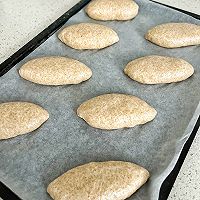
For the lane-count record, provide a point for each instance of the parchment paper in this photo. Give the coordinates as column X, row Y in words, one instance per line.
column 30, row 162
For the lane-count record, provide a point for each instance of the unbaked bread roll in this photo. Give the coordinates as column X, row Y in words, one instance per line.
column 172, row 35
column 158, row 69
column 17, row 118
column 112, row 9
column 114, row 111
column 55, row 70
column 113, row 180
column 88, row 36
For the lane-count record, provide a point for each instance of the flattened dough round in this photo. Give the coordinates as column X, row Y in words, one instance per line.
column 112, row 9
column 113, row 180
column 114, row 111
column 173, row 35
column 88, row 36
column 158, row 69
column 17, row 118
column 55, row 71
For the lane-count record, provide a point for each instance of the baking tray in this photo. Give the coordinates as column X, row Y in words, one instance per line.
column 29, row 47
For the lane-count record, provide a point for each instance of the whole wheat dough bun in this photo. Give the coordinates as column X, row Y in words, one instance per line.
column 88, row 36
column 17, row 118
column 114, row 111
column 55, row 71
column 173, row 35
column 112, row 9
column 111, row 180
column 158, row 69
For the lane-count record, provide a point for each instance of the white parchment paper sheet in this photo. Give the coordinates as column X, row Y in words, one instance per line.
column 30, row 162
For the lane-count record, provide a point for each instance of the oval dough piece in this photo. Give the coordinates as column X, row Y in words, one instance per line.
column 114, row 111
column 173, row 35
column 112, row 9
column 158, row 69
column 17, row 118
column 88, row 36
column 113, row 180
column 55, row 71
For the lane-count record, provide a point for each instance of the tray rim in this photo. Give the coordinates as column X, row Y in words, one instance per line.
column 5, row 66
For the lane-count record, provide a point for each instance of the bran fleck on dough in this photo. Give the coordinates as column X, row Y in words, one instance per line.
column 113, row 180
column 173, row 35
column 112, row 9
column 158, row 69
column 17, row 118
column 88, row 36
column 114, row 111
column 55, row 70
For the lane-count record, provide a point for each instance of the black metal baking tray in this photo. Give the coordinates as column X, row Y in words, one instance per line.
column 7, row 193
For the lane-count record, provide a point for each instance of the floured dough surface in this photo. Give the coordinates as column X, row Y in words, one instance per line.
column 55, row 70
column 17, row 118
column 111, row 180
column 173, row 35
column 112, row 9
column 158, row 69
column 114, row 111
column 88, row 36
